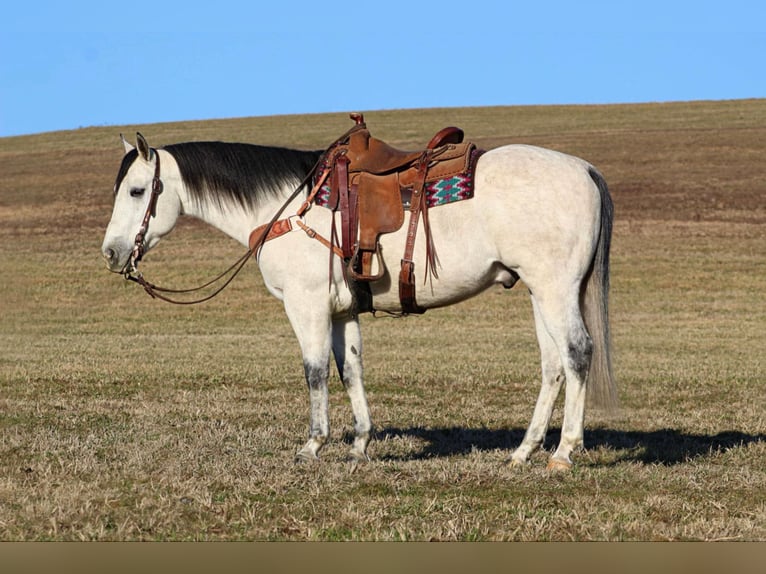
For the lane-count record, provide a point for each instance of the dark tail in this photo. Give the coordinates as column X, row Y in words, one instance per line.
column 602, row 388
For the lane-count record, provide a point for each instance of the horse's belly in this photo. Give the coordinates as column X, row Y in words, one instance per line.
column 467, row 261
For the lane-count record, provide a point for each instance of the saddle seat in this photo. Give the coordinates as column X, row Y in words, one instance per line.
column 371, row 155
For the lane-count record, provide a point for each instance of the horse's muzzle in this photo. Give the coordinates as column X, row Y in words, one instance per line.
column 112, row 259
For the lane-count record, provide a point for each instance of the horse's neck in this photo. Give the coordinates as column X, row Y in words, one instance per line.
column 232, row 219
column 227, row 216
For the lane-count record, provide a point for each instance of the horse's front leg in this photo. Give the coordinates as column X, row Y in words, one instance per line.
column 347, row 348
column 312, row 327
column 319, row 423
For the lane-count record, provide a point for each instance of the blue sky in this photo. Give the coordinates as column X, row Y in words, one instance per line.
column 66, row 65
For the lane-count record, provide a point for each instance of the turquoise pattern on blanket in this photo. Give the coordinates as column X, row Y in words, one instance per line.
column 443, row 191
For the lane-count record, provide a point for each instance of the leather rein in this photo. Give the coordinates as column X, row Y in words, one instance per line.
column 139, row 245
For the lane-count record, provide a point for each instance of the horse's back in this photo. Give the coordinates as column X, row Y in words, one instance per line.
column 531, row 180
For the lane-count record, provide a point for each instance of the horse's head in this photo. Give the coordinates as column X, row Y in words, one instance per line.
column 143, row 212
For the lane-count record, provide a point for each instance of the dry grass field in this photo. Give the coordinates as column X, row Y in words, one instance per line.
column 123, row 418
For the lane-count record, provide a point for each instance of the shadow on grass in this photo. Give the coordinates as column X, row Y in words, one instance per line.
column 665, row 446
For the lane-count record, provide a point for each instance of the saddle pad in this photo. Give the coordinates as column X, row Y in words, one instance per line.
column 454, row 188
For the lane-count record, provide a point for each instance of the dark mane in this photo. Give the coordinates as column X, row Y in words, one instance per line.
column 239, row 173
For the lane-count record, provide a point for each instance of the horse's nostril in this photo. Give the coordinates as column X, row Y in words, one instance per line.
column 109, row 255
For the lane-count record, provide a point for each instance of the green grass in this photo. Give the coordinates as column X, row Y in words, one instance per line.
column 122, row 418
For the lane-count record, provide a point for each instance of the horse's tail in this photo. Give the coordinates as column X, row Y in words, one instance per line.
column 602, row 388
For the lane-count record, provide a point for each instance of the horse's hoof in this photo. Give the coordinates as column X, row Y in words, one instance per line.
column 306, row 457
column 515, row 463
column 558, row 465
column 356, row 457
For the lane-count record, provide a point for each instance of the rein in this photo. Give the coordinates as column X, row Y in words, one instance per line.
column 139, row 247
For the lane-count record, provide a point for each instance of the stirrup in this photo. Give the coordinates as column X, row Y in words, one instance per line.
column 354, row 261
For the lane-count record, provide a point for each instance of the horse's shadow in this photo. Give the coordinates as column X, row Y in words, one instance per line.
column 665, row 447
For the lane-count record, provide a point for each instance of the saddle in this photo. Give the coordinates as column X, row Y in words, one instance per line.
column 372, row 183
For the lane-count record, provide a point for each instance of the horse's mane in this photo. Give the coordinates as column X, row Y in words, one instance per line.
column 239, row 173
column 233, row 173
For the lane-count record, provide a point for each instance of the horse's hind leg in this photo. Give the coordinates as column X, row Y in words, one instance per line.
column 576, row 358
column 347, row 348
column 553, row 378
column 560, row 315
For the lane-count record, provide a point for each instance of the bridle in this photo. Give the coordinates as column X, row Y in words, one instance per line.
column 130, row 270
column 139, row 244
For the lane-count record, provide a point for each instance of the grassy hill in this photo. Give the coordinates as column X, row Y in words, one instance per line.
column 122, row 418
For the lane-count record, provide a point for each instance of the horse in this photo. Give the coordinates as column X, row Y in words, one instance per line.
column 537, row 215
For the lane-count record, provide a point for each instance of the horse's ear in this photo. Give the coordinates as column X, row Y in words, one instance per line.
column 143, row 148
column 126, row 144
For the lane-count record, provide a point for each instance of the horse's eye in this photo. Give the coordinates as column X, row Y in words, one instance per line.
column 136, row 191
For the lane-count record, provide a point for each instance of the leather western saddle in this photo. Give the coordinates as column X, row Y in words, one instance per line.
column 372, row 182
